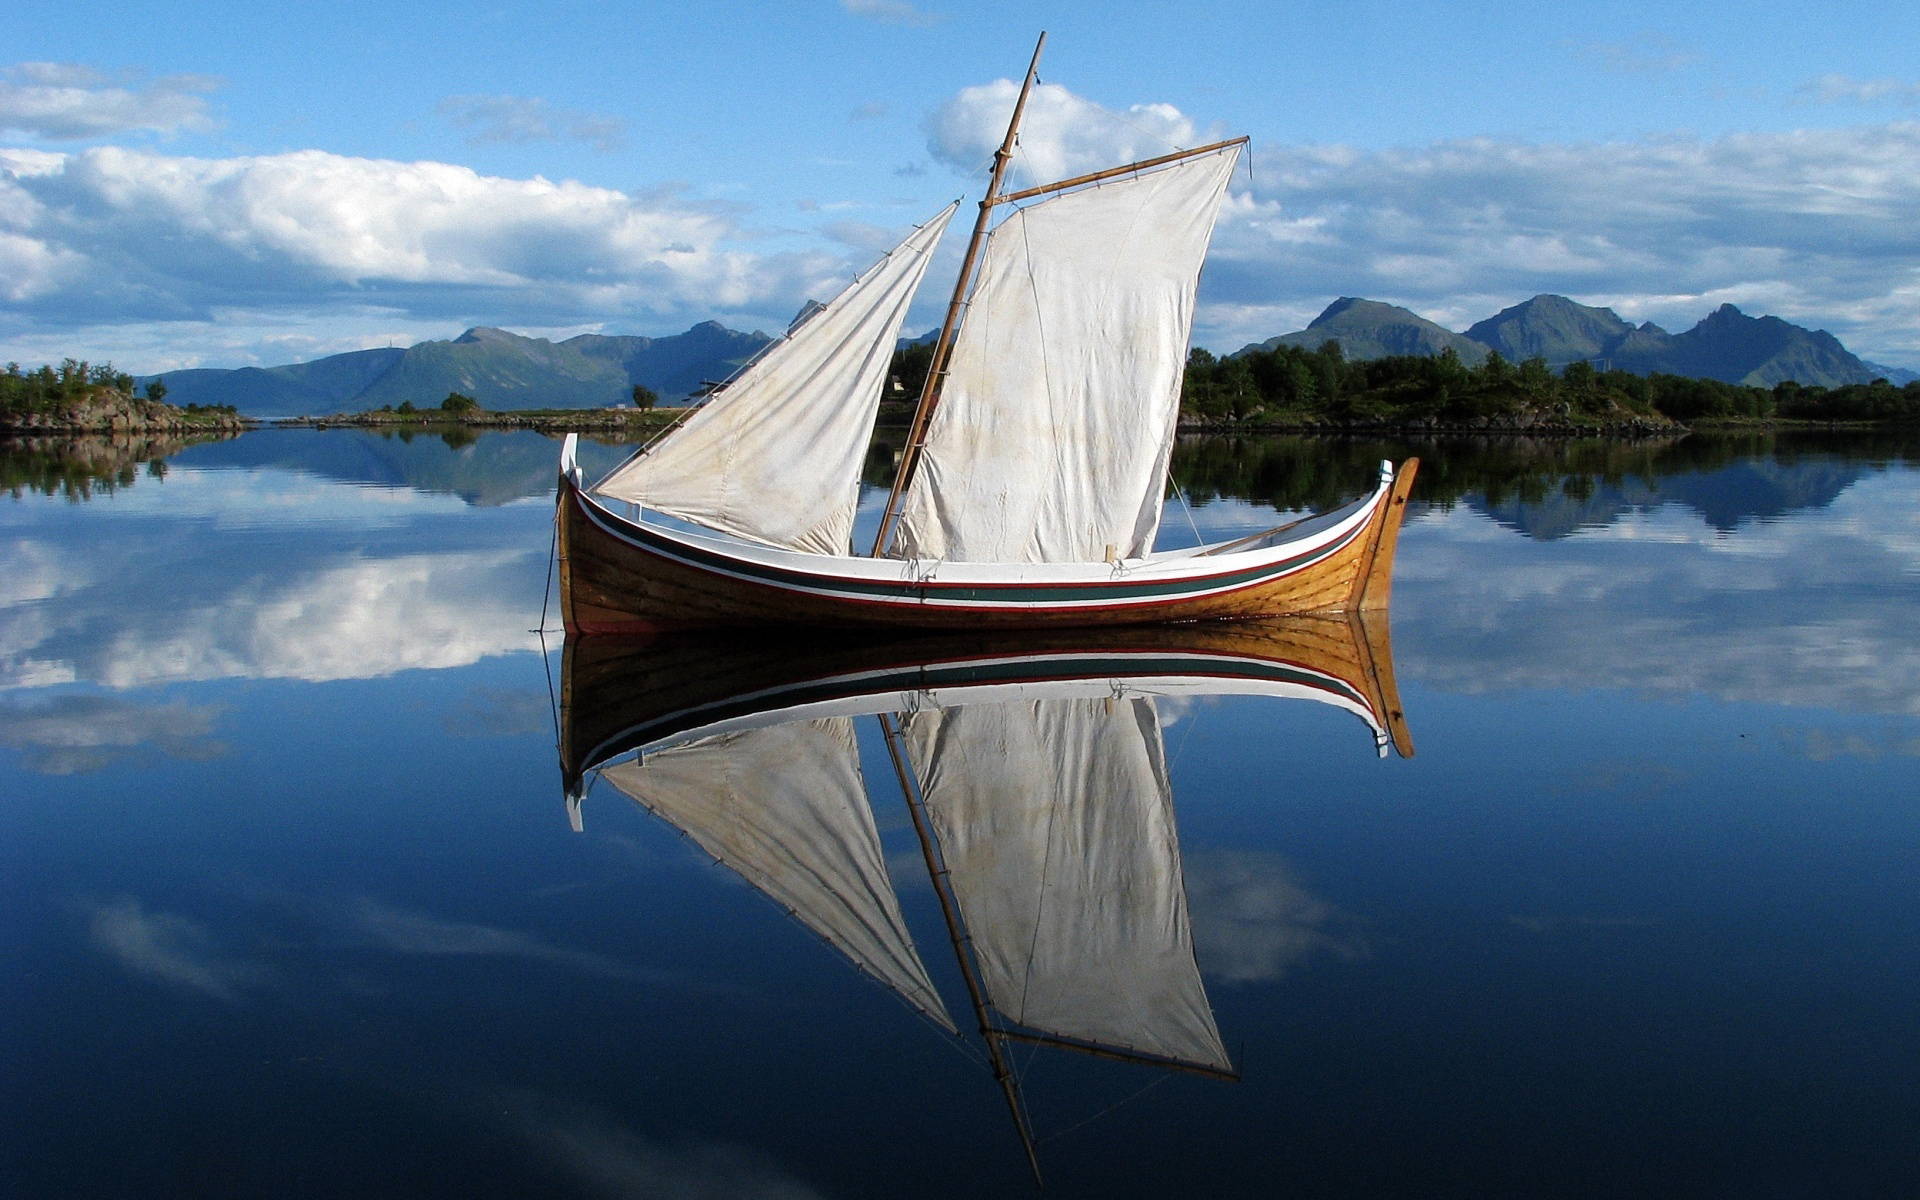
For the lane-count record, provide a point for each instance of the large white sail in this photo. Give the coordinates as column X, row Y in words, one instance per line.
column 1050, row 443
column 776, row 456
column 1055, row 820
column 785, row 807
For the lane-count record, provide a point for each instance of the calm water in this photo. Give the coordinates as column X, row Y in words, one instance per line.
column 292, row 904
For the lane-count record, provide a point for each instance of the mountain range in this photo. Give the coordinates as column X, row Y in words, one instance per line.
column 501, row 370
column 504, row 370
column 1727, row 344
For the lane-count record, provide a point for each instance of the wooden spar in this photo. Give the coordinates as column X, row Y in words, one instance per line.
column 1098, row 1051
column 1110, row 172
column 943, row 345
column 937, row 872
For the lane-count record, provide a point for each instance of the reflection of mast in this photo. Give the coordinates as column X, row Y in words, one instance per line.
column 996, row 1056
column 1054, row 819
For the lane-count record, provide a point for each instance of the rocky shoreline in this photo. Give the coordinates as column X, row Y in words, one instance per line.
column 115, row 412
column 581, row 420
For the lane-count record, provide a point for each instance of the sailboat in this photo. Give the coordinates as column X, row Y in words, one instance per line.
column 1030, row 488
column 1035, row 773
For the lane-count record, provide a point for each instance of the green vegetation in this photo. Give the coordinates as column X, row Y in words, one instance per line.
column 458, row 405
column 51, row 389
column 644, row 397
column 1295, row 472
column 51, row 396
column 1289, row 385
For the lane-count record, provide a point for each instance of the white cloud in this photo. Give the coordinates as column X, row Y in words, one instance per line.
column 336, row 623
column 407, row 932
column 70, row 102
column 531, row 119
column 892, row 12
column 1844, row 89
column 119, row 235
column 1812, row 612
column 1061, row 134
column 169, row 948
column 608, row 1159
column 69, row 734
column 1813, row 226
column 1252, row 919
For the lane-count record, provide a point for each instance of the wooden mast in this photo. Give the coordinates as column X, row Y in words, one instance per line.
column 937, row 873
column 943, row 346
column 1110, row 172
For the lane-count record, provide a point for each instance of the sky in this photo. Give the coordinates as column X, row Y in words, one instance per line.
column 224, row 184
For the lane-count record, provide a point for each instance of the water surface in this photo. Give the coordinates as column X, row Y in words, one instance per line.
column 293, row 905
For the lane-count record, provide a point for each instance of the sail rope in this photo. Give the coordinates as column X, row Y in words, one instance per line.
column 1111, row 115
column 1187, row 508
column 1082, row 1124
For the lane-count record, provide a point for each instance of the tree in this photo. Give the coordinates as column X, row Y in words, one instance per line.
column 157, row 392
column 406, row 408
column 644, row 396
column 458, row 404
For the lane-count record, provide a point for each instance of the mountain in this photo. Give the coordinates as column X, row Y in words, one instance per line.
column 1553, row 328
column 1896, row 376
column 1369, row 329
column 1727, row 344
column 1733, row 347
column 319, row 386
column 500, row 369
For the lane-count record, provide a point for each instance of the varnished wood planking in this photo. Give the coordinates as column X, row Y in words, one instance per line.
column 607, row 585
column 657, row 684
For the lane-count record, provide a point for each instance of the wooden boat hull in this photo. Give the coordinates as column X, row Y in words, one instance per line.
column 622, row 576
column 621, row 693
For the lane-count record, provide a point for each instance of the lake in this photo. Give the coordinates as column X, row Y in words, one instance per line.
column 295, row 903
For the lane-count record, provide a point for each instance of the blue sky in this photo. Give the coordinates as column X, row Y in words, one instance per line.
column 217, row 184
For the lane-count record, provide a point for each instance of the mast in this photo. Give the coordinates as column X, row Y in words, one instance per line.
column 943, row 346
column 996, row 1054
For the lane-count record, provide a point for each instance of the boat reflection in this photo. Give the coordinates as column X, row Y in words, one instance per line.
column 1036, row 776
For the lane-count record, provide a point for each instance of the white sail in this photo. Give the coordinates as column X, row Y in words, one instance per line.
column 785, row 807
column 776, row 456
column 1050, row 443
column 1055, row 820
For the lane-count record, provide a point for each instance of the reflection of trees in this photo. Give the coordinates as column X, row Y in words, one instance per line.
column 1301, row 472
column 78, row 467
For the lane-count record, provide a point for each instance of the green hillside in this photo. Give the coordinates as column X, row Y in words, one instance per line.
column 1551, row 327
column 1369, row 329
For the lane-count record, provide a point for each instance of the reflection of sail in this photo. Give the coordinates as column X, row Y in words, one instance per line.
column 1055, row 822
column 785, row 807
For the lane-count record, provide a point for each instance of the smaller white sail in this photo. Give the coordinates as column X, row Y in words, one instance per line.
column 776, row 456
column 785, row 808
column 1055, row 822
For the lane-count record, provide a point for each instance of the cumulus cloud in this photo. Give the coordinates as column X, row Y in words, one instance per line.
column 1816, row 226
column 892, row 12
column 70, row 102
column 608, row 1159
column 1813, row 612
column 1812, row 226
column 1061, row 134
column 1252, row 918
column 170, row 948
column 1844, row 89
column 69, row 734
column 531, row 119
column 116, row 234
column 407, row 932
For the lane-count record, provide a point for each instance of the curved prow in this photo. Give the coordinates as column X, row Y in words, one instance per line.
column 1373, row 588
